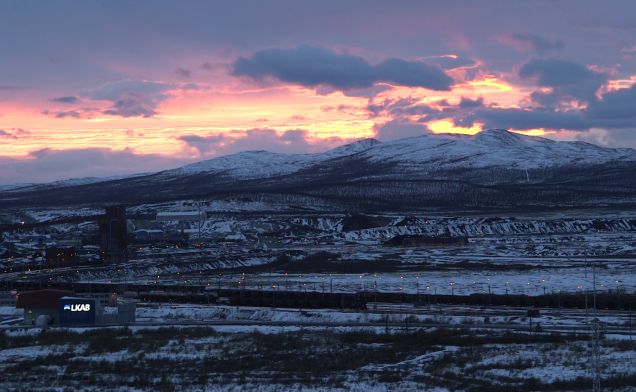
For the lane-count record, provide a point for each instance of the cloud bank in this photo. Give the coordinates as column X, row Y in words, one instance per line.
column 312, row 66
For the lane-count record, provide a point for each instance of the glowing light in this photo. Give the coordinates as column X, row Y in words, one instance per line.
column 447, row 126
column 531, row 132
column 491, row 82
column 613, row 85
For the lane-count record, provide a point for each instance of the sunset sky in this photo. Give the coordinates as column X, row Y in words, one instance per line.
column 100, row 88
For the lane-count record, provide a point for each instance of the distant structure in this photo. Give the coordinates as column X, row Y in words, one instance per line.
column 40, row 306
column 179, row 216
column 61, row 256
column 422, row 240
column 48, row 307
column 113, row 235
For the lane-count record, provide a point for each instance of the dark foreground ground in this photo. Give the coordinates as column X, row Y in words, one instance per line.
column 281, row 359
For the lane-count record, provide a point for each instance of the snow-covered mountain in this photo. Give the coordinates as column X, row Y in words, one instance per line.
column 490, row 148
column 494, row 147
column 257, row 164
column 492, row 169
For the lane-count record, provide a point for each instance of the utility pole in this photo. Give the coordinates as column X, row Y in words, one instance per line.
column 199, row 222
column 596, row 336
column 630, row 325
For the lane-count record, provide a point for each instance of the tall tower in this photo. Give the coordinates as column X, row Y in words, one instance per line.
column 113, row 235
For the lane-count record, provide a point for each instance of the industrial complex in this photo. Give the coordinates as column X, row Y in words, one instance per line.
column 51, row 307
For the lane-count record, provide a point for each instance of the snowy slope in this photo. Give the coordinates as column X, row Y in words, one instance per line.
column 490, row 148
column 494, row 147
column 492, row 168
column 259, row 164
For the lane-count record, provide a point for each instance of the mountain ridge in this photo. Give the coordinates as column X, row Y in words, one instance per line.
column 492, row 168
column 449, row 145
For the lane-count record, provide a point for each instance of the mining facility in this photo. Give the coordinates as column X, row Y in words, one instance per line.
column 51, row 307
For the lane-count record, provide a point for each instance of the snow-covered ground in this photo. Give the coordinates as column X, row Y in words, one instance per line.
column 439, row 314
column 458, row 282
column 518, row 254
column 211, row 359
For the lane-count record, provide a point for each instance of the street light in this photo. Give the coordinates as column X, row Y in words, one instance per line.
column 543, row 282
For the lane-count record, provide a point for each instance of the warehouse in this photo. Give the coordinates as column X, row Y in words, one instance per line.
column 41, row 306
column 60, row 307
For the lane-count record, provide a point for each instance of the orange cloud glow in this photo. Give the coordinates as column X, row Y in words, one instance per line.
column 235, row 107
column 447, row 126
column 531, row 132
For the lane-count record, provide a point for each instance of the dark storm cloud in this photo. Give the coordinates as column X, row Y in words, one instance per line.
column 531, row 119
column 470, row 103
column 203, row 144
column 85, row 113
column 132, row 98
column 568, row 80
column 47, row 164
column 70, row 99
column 396, row 129
column 615, row 110
column 618, row 104
column 537, row 43
column 314, row 66
column 291, row 141
column 451, row 62
column 399, row 107
column 68, row 114
column 558, row 73
column 132, row 106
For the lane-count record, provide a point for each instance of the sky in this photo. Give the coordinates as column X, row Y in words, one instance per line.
column 107, row 88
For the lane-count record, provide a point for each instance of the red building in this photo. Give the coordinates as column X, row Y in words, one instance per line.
column 40, row 306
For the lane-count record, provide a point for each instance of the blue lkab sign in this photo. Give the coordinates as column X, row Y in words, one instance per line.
column 78, row 307
column 77, row 311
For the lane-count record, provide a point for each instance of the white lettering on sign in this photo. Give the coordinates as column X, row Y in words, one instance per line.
column 78, row 307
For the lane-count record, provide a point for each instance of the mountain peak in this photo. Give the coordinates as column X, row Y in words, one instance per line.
column 352, row 148
column 498, row 135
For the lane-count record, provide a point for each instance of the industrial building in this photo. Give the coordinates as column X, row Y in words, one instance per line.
column 113, row 235
column 50, row 307
column 41, row 306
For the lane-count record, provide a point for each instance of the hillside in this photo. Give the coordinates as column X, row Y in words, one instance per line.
column 493, row 169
